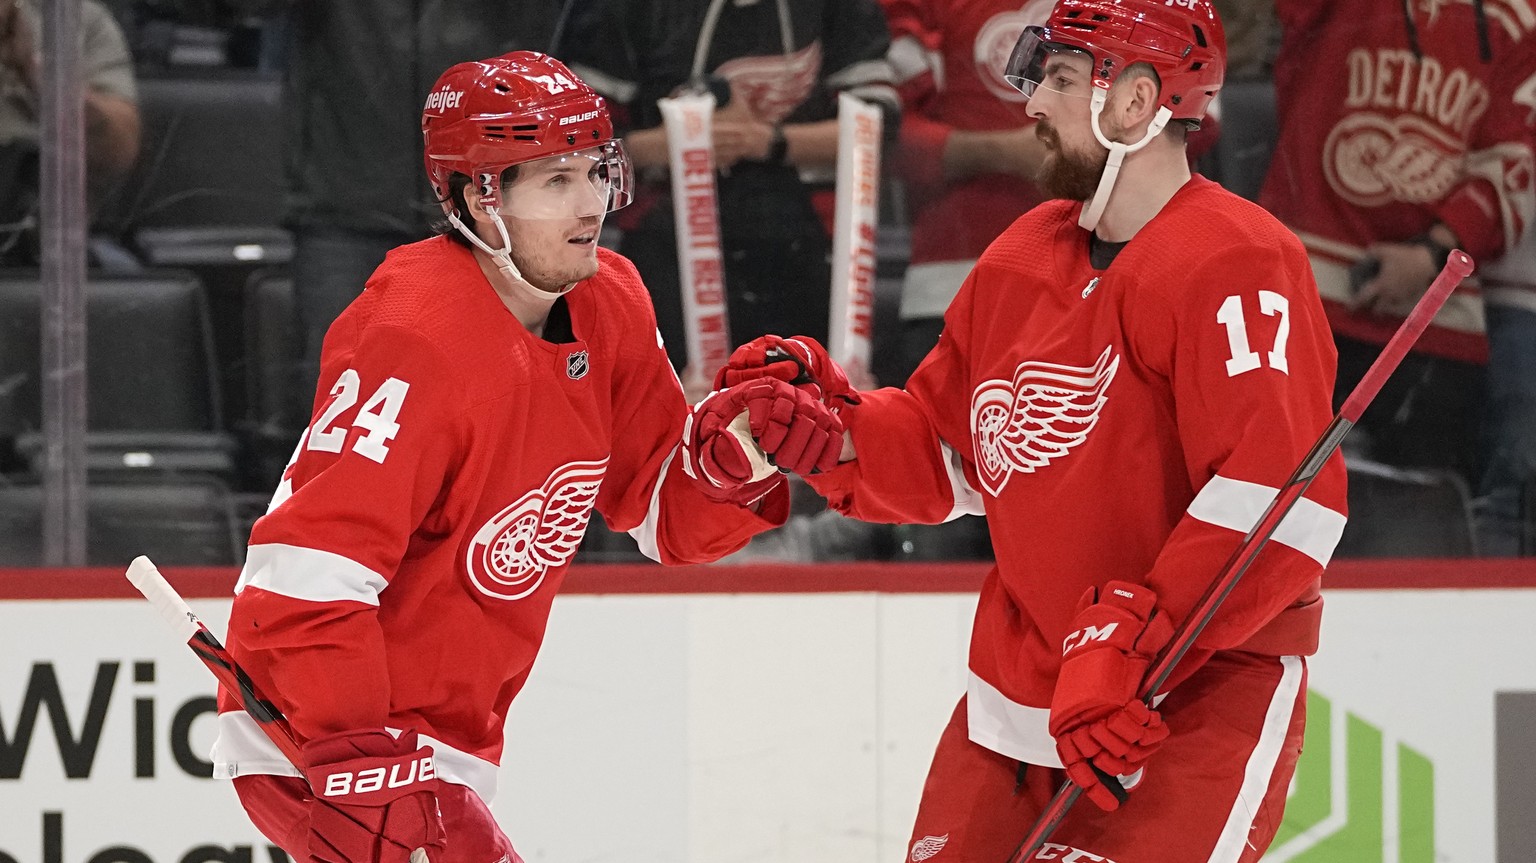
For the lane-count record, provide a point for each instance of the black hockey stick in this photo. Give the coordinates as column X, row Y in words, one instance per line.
column 1457, row 267
column 143, row 575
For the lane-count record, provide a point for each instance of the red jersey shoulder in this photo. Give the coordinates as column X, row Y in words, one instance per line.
column 429, row 297
column 425, row 287
column 623, row 301
column 1023, row 245
column 1205, row 235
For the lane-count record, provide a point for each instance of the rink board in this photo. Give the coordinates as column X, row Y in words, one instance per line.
column 759, row 725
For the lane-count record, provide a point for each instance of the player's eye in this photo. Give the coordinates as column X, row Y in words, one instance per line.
column 556, row 180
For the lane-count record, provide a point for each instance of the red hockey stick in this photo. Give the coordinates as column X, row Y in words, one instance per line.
column 1457, row 267
column 144, row 576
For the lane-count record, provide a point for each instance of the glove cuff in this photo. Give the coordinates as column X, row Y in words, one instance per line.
column 1093, row 685
column 382, row 770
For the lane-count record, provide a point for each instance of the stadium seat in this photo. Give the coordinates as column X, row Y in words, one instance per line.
column 270, row 350
column 207, row 193
column 178, row 524
column 211, row 155
column 269, row 426
column 1405, row 513
column 153, row 403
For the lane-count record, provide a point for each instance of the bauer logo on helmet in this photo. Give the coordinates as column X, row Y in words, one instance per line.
column 578, row 118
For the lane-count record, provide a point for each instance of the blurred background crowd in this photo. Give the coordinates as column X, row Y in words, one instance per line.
column 250, row 162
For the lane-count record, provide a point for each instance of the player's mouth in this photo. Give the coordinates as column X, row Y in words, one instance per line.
column 585, row 238
column 1047, row 135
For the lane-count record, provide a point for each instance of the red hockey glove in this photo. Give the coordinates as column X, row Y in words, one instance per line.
column 1102, row 729
column 375, row 798
column 800, row 361
column 727, row 453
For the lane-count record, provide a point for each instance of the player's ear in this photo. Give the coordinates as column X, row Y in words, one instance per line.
column 1141, row 107
column 1134, row 100
column 472, row 203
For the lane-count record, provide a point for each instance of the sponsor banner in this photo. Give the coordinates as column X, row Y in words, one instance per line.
column 691, row 155
column 105, row 726
column 853, row 235
column 670, row 727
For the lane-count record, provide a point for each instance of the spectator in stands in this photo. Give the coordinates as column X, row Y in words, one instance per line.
column 777, row 67
column 1507, row 491
column 1252, row 37
column 1405, row 130
column 111, row 114
column 357, row 75
column 968, row 152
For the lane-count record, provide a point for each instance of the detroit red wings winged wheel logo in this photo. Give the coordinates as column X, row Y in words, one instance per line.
column 774, row 85
column 511, row 553
column 1039, row 416
column 927, row 847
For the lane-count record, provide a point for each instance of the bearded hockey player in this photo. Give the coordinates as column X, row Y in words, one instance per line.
column 488, row 390
column 1124, row 380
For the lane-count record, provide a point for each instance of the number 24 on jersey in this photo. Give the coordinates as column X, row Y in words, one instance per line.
column 376, row 417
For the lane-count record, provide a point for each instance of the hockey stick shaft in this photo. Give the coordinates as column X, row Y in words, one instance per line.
column 175, row 611
column 1457, row 268
column 143, row 575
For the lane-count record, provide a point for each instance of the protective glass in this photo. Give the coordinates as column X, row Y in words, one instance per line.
column 588, row 182
column 1031, row 55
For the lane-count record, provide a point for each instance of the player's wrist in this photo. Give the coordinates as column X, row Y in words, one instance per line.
column 778, row 146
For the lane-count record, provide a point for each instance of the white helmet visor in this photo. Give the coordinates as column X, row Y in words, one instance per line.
column 576, row 185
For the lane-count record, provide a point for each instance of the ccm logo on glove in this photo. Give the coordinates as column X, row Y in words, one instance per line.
column 375, row 779
column 1085, row 635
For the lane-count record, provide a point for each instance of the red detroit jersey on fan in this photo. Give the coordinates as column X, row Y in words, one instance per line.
column 1391, row 119
column 1127, row 424
column 475, row 456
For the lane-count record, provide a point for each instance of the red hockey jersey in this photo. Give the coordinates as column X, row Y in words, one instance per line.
column 949, row 56
column 1393, row 117
column 1131, row 423
column 403, row 576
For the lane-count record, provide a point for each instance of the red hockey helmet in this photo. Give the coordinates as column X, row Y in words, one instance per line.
column 1181, row 39
column 485, row 116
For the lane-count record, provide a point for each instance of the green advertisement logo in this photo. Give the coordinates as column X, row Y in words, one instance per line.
column 1337, row 813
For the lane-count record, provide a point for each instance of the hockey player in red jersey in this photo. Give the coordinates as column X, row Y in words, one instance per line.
column 1124, row 380
column 488, row 390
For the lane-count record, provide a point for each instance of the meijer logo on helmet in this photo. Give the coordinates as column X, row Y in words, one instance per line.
column 444, row 99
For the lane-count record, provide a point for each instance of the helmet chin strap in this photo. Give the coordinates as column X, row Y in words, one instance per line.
column 503, row 256
column 1094, row 209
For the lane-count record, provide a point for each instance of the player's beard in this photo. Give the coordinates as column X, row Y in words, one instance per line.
column 1065, row 174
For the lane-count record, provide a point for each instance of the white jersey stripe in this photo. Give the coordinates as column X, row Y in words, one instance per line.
column 1260, row 768
column 243, row 749
column 996, row 722
column 967, row 499
column 1310, row 527
column 309, row 574
column 645, row 532
column 1000, row 724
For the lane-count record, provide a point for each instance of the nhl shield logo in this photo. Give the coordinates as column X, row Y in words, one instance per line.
column 576, row 365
